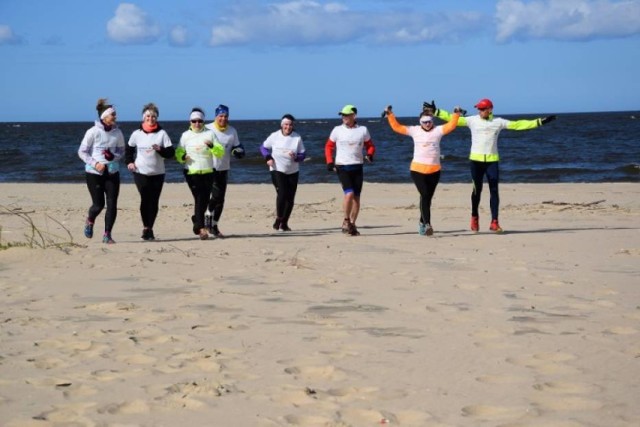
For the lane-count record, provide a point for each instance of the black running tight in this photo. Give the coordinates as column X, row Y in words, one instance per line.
column 104, row 188
column 149, row 187
column 286, row 187
column 426, row 185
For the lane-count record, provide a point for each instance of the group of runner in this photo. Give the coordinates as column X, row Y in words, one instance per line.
column 205, row 152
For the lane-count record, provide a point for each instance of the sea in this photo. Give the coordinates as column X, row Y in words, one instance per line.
column 577, row 147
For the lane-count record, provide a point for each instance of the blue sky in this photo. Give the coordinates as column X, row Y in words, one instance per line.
column 310, row 57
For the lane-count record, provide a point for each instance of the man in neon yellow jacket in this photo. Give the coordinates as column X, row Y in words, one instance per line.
column 484, row 156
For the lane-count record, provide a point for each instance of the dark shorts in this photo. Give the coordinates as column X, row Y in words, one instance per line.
column 351, row 178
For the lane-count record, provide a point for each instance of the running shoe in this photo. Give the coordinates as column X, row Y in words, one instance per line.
column 422, row 229
column 88, row 229
column 284, row 227
column 276, row 224
column 107, row 239
column 204, row 235
column 495, row 226
column 428, row 230
column 147, row 234
column 353, row 230
column 346, row 224
column 216, row 231
column 475, row 223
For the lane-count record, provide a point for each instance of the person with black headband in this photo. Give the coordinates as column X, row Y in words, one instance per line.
column 228, row 137
column 101, row 150
column 198, row 146
column 284, row 150
column 145, row 153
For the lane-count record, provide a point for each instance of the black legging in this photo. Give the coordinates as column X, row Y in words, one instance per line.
column 426, row 185
column 149, row 187
column 492, row 171
column 104, row 188
column 200, row 186
column 218, row 191
column 286, row 187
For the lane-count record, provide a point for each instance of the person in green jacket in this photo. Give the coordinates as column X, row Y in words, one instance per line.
column 196, row 151
column 484, row 157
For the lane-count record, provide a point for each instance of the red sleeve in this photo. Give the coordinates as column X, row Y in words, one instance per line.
column 329, row 149
column 370, row 148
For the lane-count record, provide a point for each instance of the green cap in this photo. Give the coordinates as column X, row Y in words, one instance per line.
column 348, row 109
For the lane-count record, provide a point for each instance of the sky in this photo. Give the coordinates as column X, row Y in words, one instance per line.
column 310, row 57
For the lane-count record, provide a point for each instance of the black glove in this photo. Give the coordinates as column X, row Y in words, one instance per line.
column 238, row 152
column 547, row 119
column 108, row 155
column 331, row 167
column 429, row 108
column 460, row 110
column 369, row 158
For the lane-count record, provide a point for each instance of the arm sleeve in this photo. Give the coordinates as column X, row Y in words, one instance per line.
column 369, row 147
column 167, row 150
column 451, row 125
column 86, row 147
column 129, row 153
column 524, row 124
column 329, row 149
column 397, row 127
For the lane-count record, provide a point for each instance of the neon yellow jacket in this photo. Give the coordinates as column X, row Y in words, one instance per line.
column 194, row 152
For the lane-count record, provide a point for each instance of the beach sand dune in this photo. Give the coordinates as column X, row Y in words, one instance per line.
column 538, row 326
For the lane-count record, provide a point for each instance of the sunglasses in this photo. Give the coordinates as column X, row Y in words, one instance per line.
column 197, row 121
column 482, row 109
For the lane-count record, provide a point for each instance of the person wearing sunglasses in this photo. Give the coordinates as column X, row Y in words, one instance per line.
column 198, row 146
column 101, row 150
column 348, row 141
column 283, row 151
column 145, row 153
column 228, row 137
column 484, row 157
column 425, row 166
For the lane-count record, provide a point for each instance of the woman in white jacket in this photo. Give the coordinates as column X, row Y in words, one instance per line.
column 101, row 150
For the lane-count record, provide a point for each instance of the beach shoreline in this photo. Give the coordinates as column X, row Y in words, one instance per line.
column 536, row 326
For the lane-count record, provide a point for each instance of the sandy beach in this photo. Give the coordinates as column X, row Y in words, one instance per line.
column 538, row 326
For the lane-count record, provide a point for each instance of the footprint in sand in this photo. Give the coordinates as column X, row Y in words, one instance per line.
column 309, row 420
column 316, row 373
column 495, row 413
column 620, row 330
column 546, row 363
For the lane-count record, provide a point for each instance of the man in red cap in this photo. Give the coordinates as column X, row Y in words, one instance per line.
column 484, row 156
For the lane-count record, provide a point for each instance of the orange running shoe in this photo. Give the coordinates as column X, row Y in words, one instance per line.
column 475, row 223
column 495, row 226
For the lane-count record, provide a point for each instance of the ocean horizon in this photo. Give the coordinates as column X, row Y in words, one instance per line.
column 578, row 147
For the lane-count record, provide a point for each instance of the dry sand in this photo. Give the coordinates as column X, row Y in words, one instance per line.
column 538, row 326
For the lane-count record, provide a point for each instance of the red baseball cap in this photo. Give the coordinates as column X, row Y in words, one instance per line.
column 484, row 103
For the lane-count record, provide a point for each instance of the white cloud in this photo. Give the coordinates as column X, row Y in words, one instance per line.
column 131, row 25
column 567, row 19
column 308, row 22
column 179, row 36
column 7, row 36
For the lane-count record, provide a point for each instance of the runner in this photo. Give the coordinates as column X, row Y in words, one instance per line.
column 425, row 166
column 484, row 157
column 101, row 150
column 145, row 153
column 348, row 141
column 283, row 150
column 228, row 137
column 197, row 148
